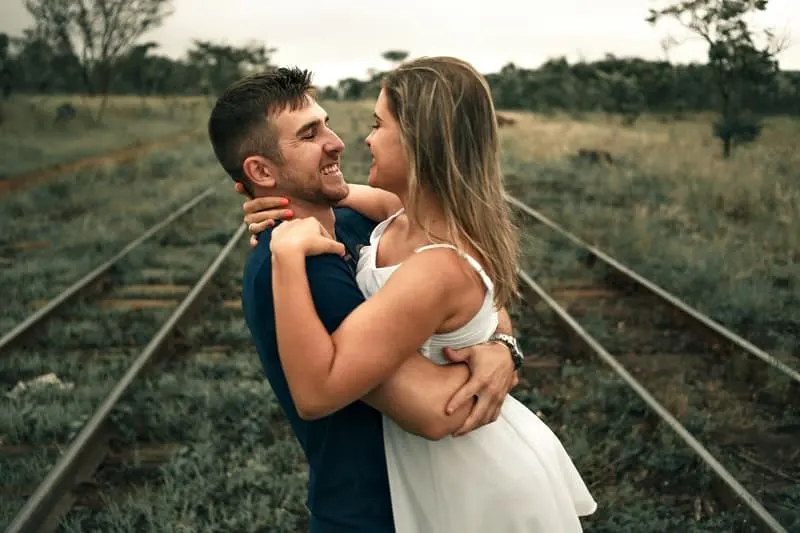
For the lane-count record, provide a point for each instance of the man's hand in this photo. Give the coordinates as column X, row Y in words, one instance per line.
column 261, row 213
column 492, row 377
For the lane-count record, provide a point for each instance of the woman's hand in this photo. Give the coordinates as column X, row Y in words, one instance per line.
column 261, row 213
column 305, row 236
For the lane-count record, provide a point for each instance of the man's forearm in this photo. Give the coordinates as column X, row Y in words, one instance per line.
column 417, row 394
column 504, row 322
column 416, row 397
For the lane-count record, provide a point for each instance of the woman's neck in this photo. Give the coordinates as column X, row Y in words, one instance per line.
column 430, row 217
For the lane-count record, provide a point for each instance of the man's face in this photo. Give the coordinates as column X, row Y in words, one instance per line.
column 310, row 151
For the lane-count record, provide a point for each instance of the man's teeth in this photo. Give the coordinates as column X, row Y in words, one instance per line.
column 330, row 169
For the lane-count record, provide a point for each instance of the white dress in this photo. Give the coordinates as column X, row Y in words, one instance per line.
column 510, row 476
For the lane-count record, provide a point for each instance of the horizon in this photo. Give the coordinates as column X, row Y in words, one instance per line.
column 488, row 36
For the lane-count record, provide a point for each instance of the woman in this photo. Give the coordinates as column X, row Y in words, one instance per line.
column 438, row 267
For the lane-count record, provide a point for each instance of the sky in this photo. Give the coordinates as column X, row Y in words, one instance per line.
column 342, row 38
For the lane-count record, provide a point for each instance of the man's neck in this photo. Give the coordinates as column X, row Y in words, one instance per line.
column 324, row 214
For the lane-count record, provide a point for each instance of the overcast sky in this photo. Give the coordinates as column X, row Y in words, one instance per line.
column 341, row 38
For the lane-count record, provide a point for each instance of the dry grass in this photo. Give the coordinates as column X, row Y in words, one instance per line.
column 32, row 139
column 721, row 234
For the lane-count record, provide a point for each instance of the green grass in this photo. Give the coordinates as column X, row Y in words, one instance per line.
column 55, row 233
column 31, row 139
column 720, row 234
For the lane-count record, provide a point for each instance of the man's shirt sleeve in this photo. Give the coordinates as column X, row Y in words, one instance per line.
column 333, row 289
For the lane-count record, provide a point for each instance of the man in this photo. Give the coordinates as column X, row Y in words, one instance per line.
column 272, row 138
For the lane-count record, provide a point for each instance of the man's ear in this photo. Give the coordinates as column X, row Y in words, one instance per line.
column 260, row 171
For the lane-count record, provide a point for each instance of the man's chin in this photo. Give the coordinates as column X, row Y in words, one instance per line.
column 337, row 194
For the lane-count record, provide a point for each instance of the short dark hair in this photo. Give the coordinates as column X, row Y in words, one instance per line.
column 239, row 124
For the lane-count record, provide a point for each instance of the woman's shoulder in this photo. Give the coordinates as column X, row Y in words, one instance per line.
column 449, row 265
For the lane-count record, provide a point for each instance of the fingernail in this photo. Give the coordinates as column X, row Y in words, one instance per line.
column 289, row 213
column 284, row 201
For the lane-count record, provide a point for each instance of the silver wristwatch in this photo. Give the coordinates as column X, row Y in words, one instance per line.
column 511, row 342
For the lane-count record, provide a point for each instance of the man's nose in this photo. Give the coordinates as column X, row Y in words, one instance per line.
column 334, row 144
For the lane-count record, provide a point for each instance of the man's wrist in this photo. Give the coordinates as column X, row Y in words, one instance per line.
column 513, row 347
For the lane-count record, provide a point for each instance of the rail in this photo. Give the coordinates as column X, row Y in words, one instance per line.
column 670, row 300
column 53, row 496
column 93, row 278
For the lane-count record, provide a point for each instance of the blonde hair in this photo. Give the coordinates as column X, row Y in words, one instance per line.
column 448, row 128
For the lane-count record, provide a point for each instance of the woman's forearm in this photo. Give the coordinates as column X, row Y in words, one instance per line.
column 305, row 348
column 375, row 204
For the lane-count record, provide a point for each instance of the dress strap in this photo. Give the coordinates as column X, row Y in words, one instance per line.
column 471, row 260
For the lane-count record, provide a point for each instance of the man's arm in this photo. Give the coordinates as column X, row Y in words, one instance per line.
column 416, row 395
column 504, row 322
column 441, row 385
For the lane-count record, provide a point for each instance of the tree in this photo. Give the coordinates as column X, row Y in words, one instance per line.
column 740, row 67
column 395, row 56
column 223, row 64
column 5, row 66
column 97, row 32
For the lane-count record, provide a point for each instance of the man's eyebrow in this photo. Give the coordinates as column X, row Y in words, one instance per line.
column 309, row 125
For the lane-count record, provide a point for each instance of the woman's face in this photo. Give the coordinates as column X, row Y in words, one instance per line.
column 389, row 169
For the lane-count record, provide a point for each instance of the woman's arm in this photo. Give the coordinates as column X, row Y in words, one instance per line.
column 375, row 204
column 326, row 372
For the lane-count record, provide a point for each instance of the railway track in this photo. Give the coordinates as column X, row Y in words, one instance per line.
column 732, row 404
column 67, row 471
column 92, row 351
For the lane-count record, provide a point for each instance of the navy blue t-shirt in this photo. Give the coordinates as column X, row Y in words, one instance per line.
column 348, row 487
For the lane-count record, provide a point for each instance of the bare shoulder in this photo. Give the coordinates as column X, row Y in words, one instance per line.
column 441, row 273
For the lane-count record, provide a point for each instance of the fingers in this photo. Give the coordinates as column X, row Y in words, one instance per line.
column 323, row 245
column 467, row 391
column 263, row 203
column 479, row 413
column 257, row 227
column 496, row 414
column 486, row 410
column 253, row 241
column 269, row 214
column 458, row 356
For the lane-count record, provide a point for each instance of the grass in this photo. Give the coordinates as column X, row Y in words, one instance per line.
column 58, row 231
column 720, row 234
column 28, row 129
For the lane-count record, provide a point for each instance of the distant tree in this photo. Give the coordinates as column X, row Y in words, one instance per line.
column 352, row 88
column 222, row 64
column 624, row 96
column 6, row 64
column 739, row 66
column 395, row 56
column 97, row 32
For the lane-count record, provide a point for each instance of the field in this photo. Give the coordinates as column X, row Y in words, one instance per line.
column 35, row 140
column 720, row 234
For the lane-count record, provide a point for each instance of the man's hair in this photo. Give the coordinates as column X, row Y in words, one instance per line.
column 240, row 125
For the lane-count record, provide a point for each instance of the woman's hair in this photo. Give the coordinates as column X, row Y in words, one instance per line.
column 448, row 128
